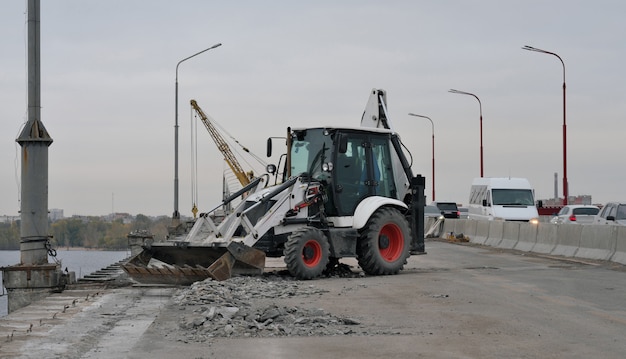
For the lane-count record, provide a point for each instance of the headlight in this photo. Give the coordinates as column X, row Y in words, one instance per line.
column 534, row 221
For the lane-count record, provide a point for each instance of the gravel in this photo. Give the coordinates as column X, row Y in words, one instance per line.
column 260, row 307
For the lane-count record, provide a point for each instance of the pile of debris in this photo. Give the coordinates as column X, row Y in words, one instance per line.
column 250, row 307
column 458, row 238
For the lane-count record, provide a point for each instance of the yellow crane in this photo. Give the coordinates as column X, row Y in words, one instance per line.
column 222, row 146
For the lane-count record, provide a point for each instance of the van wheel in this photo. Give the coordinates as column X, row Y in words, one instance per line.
column 384, row 243
column 306, row 253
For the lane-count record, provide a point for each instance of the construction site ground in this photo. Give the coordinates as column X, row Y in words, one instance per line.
column 458, row 301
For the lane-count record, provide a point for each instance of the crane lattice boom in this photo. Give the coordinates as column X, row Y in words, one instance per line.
column 222, row 146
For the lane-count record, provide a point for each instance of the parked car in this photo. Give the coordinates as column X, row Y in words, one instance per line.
column 576, row 213
column 431, row 211
column 448, row 209
column 612, row 213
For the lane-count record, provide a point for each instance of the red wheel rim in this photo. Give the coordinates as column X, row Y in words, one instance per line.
column 393, row 240
column 311, row 253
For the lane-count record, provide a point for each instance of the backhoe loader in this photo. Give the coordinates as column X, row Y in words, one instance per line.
column 340, row 192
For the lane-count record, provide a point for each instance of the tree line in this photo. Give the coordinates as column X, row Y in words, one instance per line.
column 88, row 232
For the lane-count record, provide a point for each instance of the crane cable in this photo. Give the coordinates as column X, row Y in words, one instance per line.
column 244, row 148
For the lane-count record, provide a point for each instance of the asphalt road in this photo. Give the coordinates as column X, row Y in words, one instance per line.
column 459, row 301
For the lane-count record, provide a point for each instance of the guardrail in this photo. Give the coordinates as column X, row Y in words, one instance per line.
column 589, row 241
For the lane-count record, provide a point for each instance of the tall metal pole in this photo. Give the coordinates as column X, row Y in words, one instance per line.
column 33, row 278
column 481, row 126
column 432, row 125
column 176, row 214
column 34, row 140
column 565, row 186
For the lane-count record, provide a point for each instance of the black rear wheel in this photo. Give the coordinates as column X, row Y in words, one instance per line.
column 306, row 253
column 384, row 243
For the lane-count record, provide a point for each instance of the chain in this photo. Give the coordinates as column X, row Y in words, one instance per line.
column 51, row 251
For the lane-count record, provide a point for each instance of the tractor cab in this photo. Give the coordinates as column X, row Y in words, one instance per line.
column 351, row 164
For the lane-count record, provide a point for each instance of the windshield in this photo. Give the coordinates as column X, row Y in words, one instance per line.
column 586, row 211
column 309, row 150
column 447, row 206
column 503, row 197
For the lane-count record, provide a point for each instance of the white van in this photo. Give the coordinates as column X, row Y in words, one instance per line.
column 507, row 199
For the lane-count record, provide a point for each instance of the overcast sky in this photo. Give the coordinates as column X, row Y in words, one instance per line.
column 108, row 76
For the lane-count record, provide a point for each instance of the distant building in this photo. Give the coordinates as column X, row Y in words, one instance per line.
column 55, row 214
column 8, row 219
column 557, row 202
column 126, row 218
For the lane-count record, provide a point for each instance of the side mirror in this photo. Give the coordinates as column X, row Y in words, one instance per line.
column 539, row 203
column 269, row 147
column 271, row 168
column 610, row 218
column 484, row 203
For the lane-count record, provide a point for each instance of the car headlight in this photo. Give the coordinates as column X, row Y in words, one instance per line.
column 534, row 221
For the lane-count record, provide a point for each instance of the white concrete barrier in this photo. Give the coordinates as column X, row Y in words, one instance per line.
column 568, row 240
column 510, row 235
column 470, row 228
column 428, row 222
column 527, row 237
column 459, row 226
column 482, row 232
column 597, row 242
column 496, row 229
column 448, row 226
column 620, row 246
column 546, row 238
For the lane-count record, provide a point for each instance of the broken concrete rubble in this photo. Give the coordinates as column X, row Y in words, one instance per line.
column 249, row 307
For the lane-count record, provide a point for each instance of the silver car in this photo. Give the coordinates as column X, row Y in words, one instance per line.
column 612, row 213
column 431, row 211
column 576, row 213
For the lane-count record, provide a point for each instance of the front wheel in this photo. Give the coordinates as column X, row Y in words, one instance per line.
column 307, row 253
column 384, row 243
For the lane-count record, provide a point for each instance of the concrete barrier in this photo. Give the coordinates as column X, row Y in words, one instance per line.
column 496, row 229
column 457, row 226
column 527, row 237
column 546, row 238
column 620, row 246
column 597, row 242
column 482, row 232
column 510, row 235
column 428, row 222
column 568, row 240
column 462, row 226
column 448, row 226
column 470, row 228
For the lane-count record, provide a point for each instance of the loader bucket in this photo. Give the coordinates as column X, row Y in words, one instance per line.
column 178, row 264
column 239, row 259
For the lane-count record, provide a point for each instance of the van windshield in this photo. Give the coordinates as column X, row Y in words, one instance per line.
column 519, row 197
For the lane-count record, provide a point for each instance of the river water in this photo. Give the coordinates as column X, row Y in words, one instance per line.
column 82, row 262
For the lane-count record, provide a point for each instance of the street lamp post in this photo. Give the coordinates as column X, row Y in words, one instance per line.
column 481, row 126
column 432, row 125
column 565, row 186
column 176, row 214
